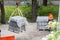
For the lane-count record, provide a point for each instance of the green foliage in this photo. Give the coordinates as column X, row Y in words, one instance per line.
column 44, row 10
column 8, row 11
column 56, row 36
column 53, row 25
column 27, row 11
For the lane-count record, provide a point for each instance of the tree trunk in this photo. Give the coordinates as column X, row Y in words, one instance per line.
column 45, row 2
column 34, row 10
column 0, row 4
column 2, row 12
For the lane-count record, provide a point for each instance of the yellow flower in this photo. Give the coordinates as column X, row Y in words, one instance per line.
column 50, row 24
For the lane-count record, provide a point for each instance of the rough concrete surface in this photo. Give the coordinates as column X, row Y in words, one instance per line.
column 31, row 32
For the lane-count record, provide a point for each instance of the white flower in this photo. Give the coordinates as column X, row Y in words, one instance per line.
column 44, row 38
column 51, row 34
column 58, row 38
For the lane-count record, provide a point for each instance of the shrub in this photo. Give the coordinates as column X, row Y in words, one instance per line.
column 26, row 10
column 8, row 11
column 44, row 10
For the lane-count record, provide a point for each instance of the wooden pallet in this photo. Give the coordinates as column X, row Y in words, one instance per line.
column 44, row 30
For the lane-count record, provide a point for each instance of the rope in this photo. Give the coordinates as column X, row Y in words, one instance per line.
column 18, row 11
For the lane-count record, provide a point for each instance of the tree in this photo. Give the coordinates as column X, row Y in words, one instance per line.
column 45, row 2
column 2, row 12
column 34, row 10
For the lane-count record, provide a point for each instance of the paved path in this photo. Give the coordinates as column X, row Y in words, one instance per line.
column 31, row 34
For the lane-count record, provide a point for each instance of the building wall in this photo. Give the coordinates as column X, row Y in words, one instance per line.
column 54, row 2
column 40, row 2
column 13, row 2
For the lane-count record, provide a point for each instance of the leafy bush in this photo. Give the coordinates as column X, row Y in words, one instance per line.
column 8, row 11
column 44, row 10
column 26, row 10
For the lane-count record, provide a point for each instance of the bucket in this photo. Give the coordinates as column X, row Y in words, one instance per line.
column 7, row 38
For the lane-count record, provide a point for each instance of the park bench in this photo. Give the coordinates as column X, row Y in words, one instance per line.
column 17, row 24
column 42, row 21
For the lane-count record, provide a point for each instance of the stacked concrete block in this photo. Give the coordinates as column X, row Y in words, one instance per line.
column 42, row 22
column 17, row 24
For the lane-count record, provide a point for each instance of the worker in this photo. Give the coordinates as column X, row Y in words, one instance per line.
column 50, row 17
column 17, row 3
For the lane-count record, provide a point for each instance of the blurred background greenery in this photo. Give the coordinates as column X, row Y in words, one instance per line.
column 26, row 10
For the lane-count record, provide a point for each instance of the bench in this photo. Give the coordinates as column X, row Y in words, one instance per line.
column 42, row 21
